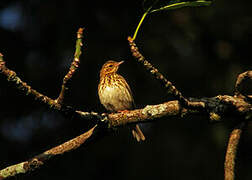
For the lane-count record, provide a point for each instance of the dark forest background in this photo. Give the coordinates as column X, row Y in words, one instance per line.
column 200, row 50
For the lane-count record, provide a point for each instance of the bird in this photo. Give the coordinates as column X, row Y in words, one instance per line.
column 115, row 93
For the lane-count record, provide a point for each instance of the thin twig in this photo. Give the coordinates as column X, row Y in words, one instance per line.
column 39, row 160
column 233, row 142
column 74, row 66
column 12, row 77
column 171, row 89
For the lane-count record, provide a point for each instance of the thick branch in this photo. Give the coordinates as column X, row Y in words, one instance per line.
column 231, row 152
column 216, row 108
column 40, row 159
column 219, row 107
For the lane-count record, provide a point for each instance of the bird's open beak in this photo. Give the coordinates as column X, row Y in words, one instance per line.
column 119, row 63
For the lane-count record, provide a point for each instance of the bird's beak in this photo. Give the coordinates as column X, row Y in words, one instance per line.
column 119, row 63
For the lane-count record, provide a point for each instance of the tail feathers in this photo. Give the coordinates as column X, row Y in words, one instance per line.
column 138, row 134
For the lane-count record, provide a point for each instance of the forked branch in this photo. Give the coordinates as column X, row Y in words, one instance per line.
column 57, row 103
column 171, row 89
column 216, row 108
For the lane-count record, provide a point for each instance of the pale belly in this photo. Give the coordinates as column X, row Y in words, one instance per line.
column 116, row 99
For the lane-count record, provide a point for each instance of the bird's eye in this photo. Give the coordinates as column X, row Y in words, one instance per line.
column 111, row 65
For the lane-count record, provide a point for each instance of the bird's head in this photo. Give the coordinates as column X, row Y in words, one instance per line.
column 110, row 67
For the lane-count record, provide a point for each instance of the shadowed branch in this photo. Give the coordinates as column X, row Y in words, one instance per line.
column 39, row 160
column 231, row 152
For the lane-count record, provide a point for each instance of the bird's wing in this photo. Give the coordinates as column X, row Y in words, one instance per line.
column 131, row 99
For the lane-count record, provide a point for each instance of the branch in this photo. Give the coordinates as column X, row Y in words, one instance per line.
column 242, row 78
column 239, row 105
column 171, row 89
column 39, row 160
column 216, row 108
column 231, row 152
column 28, row 90
column 74, row 66
column 221, row 105
column 56, row 104
column 19, row 84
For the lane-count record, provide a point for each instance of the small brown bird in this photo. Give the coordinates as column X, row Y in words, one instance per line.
column 115, row 94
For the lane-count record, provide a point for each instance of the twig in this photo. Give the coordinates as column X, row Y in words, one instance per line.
column 171, row 89
column 231, row 152
column 240, row 79
column 12, row 77
column 74, row 66
column 56, row 104
column 39, row 160
column 24, row 87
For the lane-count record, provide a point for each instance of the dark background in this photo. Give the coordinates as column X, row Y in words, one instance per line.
column 200, row 50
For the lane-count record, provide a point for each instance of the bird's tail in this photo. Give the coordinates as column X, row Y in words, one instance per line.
column 137, row 133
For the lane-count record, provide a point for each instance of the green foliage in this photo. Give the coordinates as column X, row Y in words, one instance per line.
column 151, row 6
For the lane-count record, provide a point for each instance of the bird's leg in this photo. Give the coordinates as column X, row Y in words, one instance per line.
column 123, row 111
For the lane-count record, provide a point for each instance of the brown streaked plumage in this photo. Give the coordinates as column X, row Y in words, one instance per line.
column 115, row 94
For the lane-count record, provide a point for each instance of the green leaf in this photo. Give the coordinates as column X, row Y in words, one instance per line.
column 179, row 4
column 151, row 6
